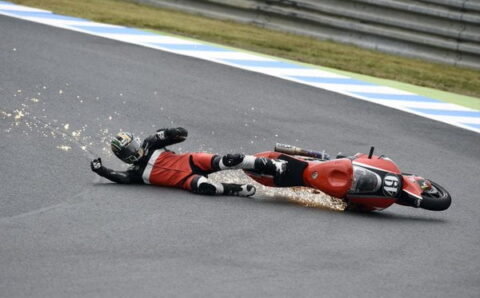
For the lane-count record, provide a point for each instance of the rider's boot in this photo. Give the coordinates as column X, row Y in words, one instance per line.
column 241, row 190
column 204, row 186
column 268, row 166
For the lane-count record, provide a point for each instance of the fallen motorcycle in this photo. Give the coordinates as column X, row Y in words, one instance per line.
column 366, row 182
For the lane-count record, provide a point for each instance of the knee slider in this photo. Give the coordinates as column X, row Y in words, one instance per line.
column 231, row 160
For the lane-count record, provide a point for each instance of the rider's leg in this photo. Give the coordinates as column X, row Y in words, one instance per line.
column 237, row 161
column 202, row 185
column 202, row 163
column 207, row 163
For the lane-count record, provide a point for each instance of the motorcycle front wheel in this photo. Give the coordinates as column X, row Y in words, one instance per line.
column 436, row 199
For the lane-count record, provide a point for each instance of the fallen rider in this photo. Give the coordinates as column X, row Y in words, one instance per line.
column 152, row 163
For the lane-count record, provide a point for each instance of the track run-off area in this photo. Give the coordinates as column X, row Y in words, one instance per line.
column 66, row 232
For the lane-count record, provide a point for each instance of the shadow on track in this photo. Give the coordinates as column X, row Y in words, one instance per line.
column 392, row 217
column 378, row 216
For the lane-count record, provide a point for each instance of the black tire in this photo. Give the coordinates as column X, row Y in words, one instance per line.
column 438, row 199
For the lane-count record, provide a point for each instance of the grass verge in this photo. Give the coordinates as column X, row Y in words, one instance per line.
column 300, row 48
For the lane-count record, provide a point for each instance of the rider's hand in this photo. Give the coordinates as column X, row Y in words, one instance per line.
column 96, row 164
column 178, row 133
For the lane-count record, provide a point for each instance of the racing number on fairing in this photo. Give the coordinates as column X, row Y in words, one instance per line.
column 391, row 185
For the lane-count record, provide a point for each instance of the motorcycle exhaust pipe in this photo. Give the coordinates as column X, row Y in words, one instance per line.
column 293, row 150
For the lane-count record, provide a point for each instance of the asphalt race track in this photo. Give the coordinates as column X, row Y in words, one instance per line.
column 64, row 232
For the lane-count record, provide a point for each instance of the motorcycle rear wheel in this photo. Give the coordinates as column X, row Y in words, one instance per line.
column 437, row 199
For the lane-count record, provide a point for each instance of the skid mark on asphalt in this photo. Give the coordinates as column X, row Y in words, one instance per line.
column 297, row 195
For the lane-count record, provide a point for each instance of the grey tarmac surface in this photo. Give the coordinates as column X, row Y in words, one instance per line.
column 64, row 232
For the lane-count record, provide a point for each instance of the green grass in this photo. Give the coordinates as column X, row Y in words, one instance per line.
column 300, row 48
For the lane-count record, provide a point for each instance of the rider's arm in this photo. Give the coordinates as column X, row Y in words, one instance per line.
column 165, row 137
column 122, row 177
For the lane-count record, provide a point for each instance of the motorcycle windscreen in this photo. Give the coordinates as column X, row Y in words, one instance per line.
column 365, row 181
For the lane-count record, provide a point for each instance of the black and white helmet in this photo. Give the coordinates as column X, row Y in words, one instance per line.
column 126, row 147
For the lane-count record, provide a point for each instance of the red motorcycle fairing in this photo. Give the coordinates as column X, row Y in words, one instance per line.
column 269, row 154
column 333, row 177
column 373, row 202
column 381, row 163
column 411, row 187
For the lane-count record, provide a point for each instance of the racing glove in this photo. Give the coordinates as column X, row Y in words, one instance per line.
column 127, row 177
column 96, row 165
column 174, row 134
